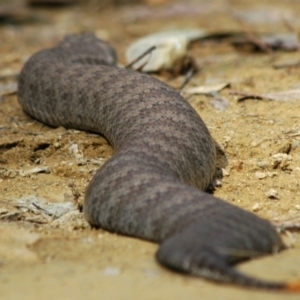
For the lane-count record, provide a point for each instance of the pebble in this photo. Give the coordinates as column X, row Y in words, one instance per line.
column 272, row 194
column 260, row 175
column 74, row 151
column 262, row 164
column 218, row 183
column 256, row 207
column 224, row 172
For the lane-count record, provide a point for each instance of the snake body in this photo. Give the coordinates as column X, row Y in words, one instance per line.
column 153, row 186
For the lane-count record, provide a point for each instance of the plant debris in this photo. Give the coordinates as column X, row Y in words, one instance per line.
column 284, row 96
column 169, row 52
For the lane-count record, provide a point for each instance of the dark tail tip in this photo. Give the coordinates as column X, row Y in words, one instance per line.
column 209, row 264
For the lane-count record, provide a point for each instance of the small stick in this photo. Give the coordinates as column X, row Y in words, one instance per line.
column 258, row 43
column 292, row 224
column 189, row 74
column 148, row 51
column 253, row 39
column 245, row 95
column 43, row 210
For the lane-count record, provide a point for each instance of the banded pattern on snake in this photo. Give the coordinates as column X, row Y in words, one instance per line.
column 153, row 186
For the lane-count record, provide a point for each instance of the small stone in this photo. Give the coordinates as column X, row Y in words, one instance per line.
column 271, row 174
column 57, row 145
column 272, row 194
column 225, row 172
column 218, row 183
column 3, row 211
column 260, row 175
column 256, row 207
column 262, row 164
column 74, row 151
column 227, row 138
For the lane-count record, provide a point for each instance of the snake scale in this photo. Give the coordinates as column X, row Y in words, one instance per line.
column 153, row 186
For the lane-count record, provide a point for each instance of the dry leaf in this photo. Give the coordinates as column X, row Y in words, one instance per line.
column 207, row 89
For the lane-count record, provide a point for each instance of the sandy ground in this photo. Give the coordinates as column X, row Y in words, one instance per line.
column 48, row 251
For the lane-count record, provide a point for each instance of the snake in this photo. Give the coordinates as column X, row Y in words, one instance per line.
column 154, row 187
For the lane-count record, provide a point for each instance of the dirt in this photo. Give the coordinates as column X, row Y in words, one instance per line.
column 48, row 251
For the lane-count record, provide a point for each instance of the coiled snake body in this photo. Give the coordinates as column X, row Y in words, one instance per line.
column 164, row 157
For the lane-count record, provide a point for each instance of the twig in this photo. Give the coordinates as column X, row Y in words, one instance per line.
column 292, row 224
column 253, row 39
column 245, row 95
column 148, row 51
column 258, row 43
column 43, row 210
column 189, row 74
